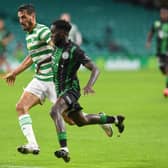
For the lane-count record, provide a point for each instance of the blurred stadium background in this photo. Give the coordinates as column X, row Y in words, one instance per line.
column 114, row 34
column 114, row 31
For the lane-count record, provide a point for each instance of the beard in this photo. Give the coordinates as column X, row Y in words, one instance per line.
column 27, row 26
column 24, row 27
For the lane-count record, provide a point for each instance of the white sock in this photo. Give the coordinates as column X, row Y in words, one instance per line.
column 116, row 119
column 65, row 149
column 26, row 127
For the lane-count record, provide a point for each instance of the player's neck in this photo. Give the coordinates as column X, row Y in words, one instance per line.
column 33, row 26
column 63, row 43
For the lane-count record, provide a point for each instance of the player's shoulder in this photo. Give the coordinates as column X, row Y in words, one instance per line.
column 41, row 27
column 76, row 48
column 71, row 46
column 74, row 27
column 79, row 53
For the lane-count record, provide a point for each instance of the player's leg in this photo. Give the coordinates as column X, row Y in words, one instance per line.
column 107, row 128
column 56, row 114
column 33, row 94
column 52, row 96
column 71, row 98
column 101, row 118
column 163, row 66
column 67, row 119
column 27, row 101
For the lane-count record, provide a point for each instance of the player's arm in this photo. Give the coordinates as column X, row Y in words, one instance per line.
column 83, row 59
column 149, row 39
column 48, row 59
column 93, row 77
column 11, row 76
column 150, row 36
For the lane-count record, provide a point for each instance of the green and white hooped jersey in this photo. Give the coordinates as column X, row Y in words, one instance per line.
column 39, row 49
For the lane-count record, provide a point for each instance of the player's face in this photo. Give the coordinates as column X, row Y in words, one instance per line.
column 26, row 20
column 164, row 14
column 58, row 37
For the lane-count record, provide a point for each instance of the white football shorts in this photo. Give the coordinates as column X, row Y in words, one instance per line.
column 42, row 89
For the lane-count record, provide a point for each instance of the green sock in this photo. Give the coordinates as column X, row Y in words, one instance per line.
column 103, row 118
column 62, row 137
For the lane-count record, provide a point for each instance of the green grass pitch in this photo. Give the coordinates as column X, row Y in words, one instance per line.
column 137, row 95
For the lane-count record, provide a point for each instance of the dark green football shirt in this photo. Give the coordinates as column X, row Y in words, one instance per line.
column 161, row 29
column 66, row 62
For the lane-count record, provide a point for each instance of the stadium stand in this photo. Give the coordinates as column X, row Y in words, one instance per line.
column 128, row 23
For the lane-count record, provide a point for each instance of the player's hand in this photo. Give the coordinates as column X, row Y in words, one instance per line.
column 87, row 90
column 10, row 78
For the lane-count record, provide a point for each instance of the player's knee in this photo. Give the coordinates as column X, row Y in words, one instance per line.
column 67, row 119
column 20, row 108
column 81, row 122
column 54, row 112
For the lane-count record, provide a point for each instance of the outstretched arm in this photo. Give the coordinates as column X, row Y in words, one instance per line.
column 149, row 39
column 11, row 76
column 93, row 77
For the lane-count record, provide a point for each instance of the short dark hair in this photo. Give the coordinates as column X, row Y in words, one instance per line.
column 28, row 7
column 62, row 25
column 164, row 6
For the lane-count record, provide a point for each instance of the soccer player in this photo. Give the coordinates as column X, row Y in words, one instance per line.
column 41, row 86
column 38, row 44
column 160, row 28
column 66, row 61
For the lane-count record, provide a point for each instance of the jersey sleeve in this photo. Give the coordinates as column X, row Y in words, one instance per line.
column 81, row 56
column 45, row 34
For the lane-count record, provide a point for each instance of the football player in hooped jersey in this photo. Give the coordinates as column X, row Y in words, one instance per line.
column 66, row 60
column 160, row 28
column 41, row 86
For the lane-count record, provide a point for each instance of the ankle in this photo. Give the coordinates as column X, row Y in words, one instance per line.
column 65, row 149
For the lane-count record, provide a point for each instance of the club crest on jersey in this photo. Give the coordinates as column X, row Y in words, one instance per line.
column 65, row 55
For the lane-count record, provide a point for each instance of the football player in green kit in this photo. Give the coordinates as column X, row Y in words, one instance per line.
column 160, row 28
column 66, row 60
